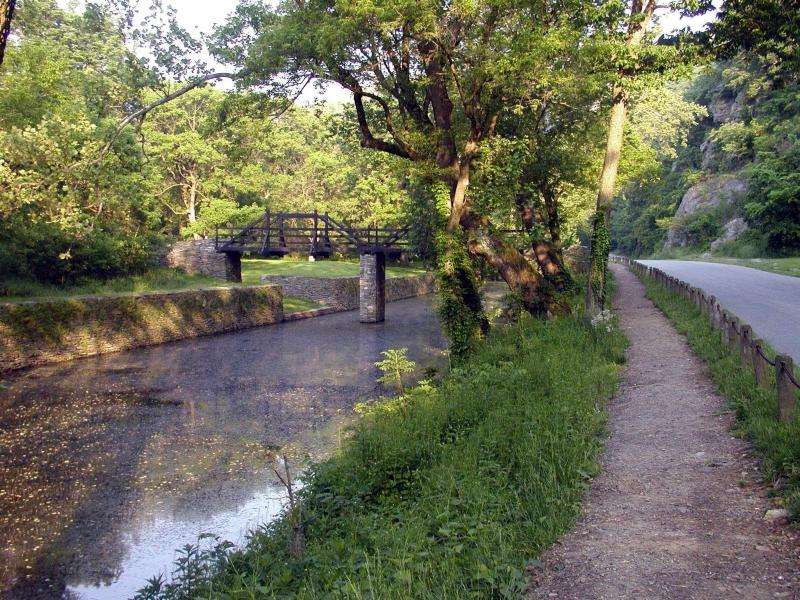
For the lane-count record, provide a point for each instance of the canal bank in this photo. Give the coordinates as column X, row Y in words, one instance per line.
column 110, row 463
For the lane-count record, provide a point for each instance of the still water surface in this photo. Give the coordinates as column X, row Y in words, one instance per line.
column 109, row 464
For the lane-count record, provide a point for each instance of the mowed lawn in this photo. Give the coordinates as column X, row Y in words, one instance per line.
column 163, row 279
column 254, row 268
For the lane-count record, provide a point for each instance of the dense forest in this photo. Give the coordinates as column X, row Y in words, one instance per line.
column 209, row 158
column 113, row 143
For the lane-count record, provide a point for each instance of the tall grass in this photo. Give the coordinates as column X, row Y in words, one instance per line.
column 777, row 443
column 448, row 491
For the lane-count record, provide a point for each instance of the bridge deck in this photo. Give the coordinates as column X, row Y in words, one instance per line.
column 278, row 234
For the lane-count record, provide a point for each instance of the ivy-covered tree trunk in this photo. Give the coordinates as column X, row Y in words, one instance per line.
column 6, row 15
column 460, row 305
column 600, row 243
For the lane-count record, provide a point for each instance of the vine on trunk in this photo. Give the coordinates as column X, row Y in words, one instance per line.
column 460, row 305
column 601, row 246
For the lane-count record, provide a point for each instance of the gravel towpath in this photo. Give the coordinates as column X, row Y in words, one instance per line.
column 677, row 512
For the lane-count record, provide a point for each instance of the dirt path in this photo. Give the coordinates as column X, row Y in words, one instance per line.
column 677, row 511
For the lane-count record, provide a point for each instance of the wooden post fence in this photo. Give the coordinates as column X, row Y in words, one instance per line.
column 736, row 335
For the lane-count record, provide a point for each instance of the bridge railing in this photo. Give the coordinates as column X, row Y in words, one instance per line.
column 778, row 372
column 280, row 233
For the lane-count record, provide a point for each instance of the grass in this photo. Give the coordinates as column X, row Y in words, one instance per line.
column 157, row 279
column 778, row 444
column 163, row 279
column 446, row 492
column 253, row 268
column 292, row 304
column 783, row 266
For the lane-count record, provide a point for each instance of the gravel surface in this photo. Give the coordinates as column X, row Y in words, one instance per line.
column 768, row 302
column 678, row 510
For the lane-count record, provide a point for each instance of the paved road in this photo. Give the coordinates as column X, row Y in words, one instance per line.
column 769, row 302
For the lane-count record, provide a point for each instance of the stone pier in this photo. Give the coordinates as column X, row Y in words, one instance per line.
column 233, row 266
column 372, row 288
column 201, row 257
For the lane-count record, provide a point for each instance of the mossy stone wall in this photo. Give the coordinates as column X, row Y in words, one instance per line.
column 39, row 332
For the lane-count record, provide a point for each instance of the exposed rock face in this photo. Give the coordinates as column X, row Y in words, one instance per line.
column 711, row 192
column 724, row 109
column 725, row 188
column 733, row 229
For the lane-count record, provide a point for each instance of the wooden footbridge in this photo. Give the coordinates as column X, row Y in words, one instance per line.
column 318, row 236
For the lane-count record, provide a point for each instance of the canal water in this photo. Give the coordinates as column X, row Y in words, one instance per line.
column 109, row 464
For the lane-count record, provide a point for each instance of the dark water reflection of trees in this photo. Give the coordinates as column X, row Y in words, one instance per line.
column 93, row 452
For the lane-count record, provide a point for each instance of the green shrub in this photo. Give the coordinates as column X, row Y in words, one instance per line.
column 45, row 253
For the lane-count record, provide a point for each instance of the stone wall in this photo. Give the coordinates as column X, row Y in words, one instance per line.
column 34, row 333
column 341, row 293
column 399, row 288
column 199, row 257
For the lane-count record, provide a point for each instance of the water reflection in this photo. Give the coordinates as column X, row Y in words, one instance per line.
column 109, row 464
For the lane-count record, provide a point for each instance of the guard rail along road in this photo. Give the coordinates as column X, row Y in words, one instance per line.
column 735, row 334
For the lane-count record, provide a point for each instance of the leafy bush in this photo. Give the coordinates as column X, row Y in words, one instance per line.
column 449, row 491
column 46, row 253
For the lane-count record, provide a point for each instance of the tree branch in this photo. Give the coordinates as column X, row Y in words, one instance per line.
column 142, row 112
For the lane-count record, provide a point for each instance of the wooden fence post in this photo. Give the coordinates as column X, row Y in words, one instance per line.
column 759, row 365
column 787, row 397
column 725, row 327
column 733, row 341
column 745, row 346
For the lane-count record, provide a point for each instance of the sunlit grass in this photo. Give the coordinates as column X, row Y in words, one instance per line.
column 155, row 280
column 782, row 266
column 253, row 268
column 292, row 304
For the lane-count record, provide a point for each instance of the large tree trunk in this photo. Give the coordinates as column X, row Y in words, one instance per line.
column 6, row 15
column 191, row 204
column 513, row 267
column 600, row 243
column 641, row 12
column 547, row 255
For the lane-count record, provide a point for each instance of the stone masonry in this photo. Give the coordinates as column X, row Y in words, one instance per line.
column 38, row 332
column 342, row 293
column 372, row 288
column 200, row 257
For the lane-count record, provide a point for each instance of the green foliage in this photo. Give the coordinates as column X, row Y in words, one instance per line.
column 777, row 443
column 460, row 306
column 394, row 366
column 209, row 158
column 769, row 28
column 451, row 494
column 598, row 261
column 755, row 136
